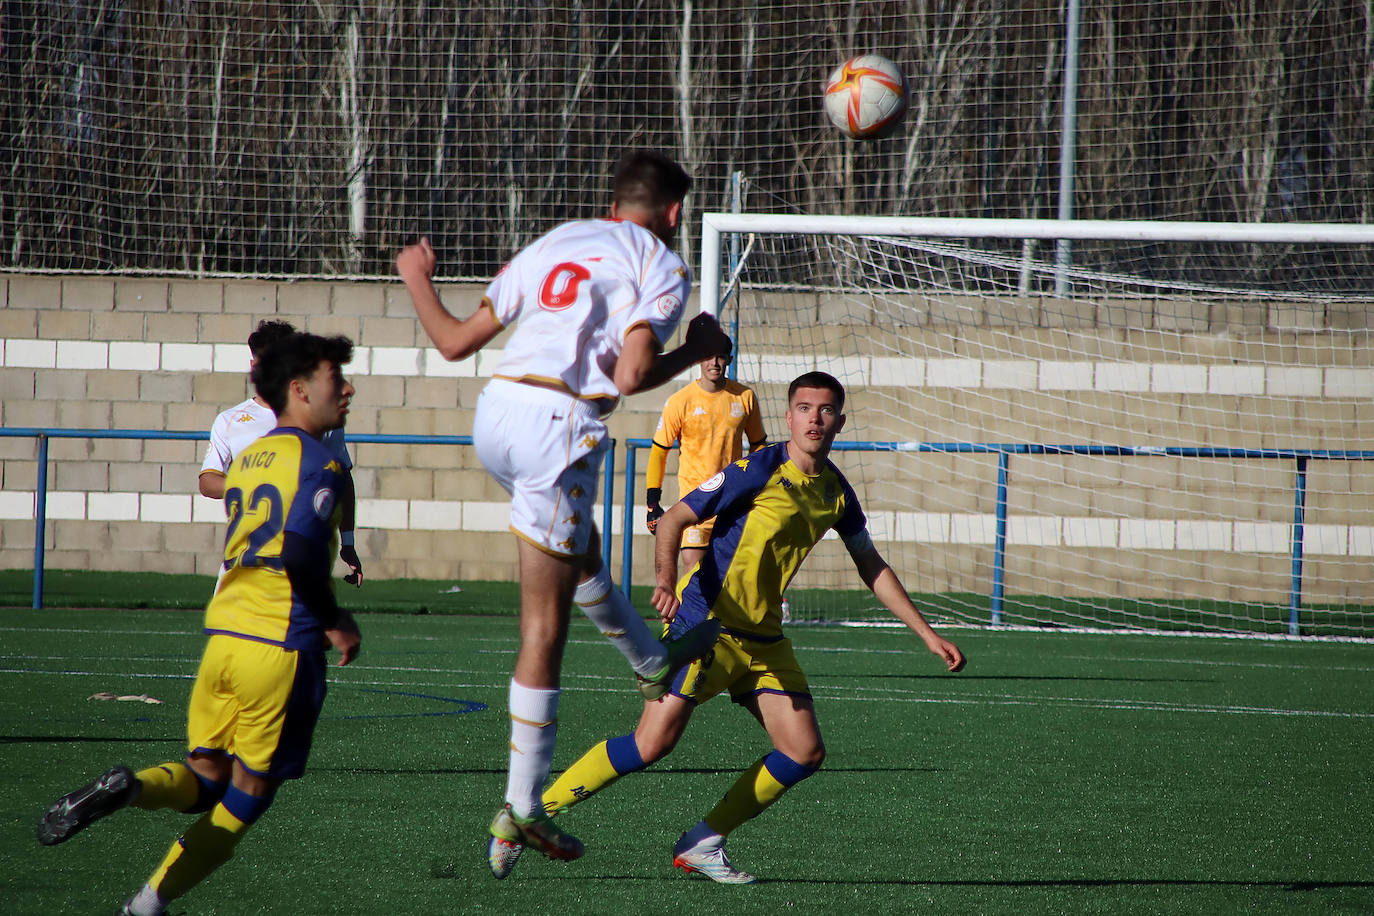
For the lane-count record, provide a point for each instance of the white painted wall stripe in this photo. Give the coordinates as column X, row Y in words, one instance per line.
column 1245, row 537
column 1238, row 380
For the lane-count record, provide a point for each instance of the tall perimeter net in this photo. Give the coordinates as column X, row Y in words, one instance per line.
column 1143, row 426
column 264, row 138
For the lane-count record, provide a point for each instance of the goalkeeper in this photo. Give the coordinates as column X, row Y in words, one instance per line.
column 770, row 509
column 706, row 419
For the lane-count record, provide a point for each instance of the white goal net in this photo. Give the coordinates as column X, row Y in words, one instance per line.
column 1149, row 426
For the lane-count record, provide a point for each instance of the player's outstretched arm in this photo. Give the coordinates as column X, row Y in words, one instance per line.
column 455, row 339
column 653, row 490
column 888, row 589
column 640, row 367
column 667, row 542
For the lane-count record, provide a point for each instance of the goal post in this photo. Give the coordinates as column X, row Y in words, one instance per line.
column 1166, row 428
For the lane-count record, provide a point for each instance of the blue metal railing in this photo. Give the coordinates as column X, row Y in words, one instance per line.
column 44, row 435
column 1004, row 451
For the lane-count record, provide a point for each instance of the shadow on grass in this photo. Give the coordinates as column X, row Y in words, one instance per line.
column 438, row 870
column 86, row 739
column 686, row 771
column 1017, row 677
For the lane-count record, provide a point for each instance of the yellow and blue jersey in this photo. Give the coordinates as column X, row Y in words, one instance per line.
column 768, row 517
column 285, row 481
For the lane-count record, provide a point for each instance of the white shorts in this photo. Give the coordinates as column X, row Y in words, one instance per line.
column 545, row 448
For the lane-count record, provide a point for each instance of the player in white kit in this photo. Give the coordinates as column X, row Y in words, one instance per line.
column 243, row 424
column 593, row 302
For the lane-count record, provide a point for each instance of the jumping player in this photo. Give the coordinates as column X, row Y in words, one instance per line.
column 770, row 510
column 261, row 682
column 707, row 419
column 593, row 302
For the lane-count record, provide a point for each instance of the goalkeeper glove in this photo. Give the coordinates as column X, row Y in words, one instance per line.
column 652, row 497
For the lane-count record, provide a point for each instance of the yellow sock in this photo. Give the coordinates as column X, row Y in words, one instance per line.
column 167, row 785
column 207, row 845
column 594, row 771
column 758, row 787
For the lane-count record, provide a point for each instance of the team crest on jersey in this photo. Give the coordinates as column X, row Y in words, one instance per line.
column 323, row 501
column 736, row 410
column 714, row 483
column 669, row 306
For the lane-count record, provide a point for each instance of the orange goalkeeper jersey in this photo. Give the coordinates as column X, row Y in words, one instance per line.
column 708, row 426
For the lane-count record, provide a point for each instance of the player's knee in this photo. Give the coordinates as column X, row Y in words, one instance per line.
column 245, row 806
column 811, row 756
column 653, row 748
column 208, row 793
column 594, row 589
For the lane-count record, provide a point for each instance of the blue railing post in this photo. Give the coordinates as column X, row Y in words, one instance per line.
column 608, row 482
column 627, row 536
column 999, row 551
column 40, row 518
column 1299, row 511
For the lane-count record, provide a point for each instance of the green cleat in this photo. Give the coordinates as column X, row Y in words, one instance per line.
column 538, row 832
column 687, row 648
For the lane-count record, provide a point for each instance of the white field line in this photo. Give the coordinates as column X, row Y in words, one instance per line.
column 862, row 695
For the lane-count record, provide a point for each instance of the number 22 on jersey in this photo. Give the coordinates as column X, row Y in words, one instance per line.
column 262, row 517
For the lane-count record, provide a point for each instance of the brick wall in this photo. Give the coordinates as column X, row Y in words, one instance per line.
column 85, row 352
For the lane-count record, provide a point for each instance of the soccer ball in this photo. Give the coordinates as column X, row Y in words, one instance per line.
column 865, row 97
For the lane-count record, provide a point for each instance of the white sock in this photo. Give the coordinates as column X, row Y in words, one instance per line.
column 533, row 727
column 146, row 903
column 619, row 622
column 700, row 838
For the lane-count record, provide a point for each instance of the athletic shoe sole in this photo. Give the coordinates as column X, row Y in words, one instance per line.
column 75, row 811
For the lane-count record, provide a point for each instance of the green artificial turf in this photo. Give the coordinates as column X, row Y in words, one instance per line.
column 1060, row 773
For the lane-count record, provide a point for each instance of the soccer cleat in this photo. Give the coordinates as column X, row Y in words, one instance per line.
column 688, row 647
column 502, row 854
column 713, row 863
column 538, row 832
column 114, row 789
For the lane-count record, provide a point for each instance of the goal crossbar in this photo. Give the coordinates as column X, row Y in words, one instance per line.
column 716, row 224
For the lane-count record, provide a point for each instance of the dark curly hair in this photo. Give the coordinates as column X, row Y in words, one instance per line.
column 294, row 356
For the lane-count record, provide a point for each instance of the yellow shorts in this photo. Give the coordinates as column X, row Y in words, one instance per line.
column 258, row 703
column 698, row 536
column 745, row 667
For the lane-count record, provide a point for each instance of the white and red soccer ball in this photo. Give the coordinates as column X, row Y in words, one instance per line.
column 866, row 97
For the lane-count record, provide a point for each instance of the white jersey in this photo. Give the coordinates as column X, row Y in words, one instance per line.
column 243, row 424
column 576, row 292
